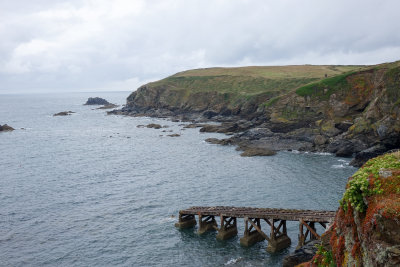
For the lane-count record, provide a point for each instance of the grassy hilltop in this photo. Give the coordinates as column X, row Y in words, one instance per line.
column 250, row 81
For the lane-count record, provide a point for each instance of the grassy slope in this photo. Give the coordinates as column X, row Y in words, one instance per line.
column 255, row 80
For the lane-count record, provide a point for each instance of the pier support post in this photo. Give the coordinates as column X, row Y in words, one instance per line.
column 278, row 237
column 185, row 221
column 310, row 233
column 251, row 236
column 228, row 228
column 207, row 224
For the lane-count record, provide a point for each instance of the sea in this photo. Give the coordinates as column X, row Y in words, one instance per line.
column 92, row 189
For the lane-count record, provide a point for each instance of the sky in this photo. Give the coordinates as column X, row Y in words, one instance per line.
column 102, row 45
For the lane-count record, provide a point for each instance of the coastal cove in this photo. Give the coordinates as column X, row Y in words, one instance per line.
column 92, row 189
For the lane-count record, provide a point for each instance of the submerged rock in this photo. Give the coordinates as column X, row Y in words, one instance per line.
column 173, row 135
column 97, row 101
column 6, row 128
column 154, row 125
column 63, row 113
column 257, row 151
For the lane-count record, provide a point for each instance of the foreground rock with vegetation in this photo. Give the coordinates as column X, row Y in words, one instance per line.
column 351, row 111
column 366, row 230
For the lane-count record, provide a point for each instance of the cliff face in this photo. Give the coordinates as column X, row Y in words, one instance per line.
column 352, row 111
column 355, row 113
column 366, row 231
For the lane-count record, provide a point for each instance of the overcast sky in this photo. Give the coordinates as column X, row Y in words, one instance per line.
column 89, row 45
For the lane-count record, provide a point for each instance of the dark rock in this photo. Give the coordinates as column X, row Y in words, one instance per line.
column 64, row 113
column 209, row 114
column 363, row 156
column 154, row 125
column 344, row 125
column 257, row 151
column 217, row 141
column 6, row 128
column 173, row 135
column 193, row 125
column 96, row 101
column 303, row 254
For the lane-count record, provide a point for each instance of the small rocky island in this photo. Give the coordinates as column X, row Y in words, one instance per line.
column 100, row 101
column 6, row 128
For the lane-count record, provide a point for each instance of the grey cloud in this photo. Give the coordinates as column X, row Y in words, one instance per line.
column 80, row 45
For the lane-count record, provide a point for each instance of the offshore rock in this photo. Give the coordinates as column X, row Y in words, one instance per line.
column 63, row 113
column 6, row 128
column 154, row 125
column 96, row 101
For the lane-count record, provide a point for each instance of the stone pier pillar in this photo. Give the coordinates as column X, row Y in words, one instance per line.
column 207, row 224
column 228, row 228
column 251, row 237
column 185, row 221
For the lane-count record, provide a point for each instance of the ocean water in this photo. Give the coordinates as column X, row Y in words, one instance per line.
column 95, row 190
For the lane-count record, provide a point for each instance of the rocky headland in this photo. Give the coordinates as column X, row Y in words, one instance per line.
column 351, row 111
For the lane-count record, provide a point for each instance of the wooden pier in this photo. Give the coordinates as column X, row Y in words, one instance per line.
column 274, row 218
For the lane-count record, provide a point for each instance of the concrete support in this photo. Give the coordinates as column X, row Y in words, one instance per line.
column 228, row 228
column 207, row 224
column 278, row 244
column 278, row 239
column 185, row 221
column 250, row 236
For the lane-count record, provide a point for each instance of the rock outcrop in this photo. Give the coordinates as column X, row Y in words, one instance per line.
column 6, row 128
column 97, row 101
column 63, row 113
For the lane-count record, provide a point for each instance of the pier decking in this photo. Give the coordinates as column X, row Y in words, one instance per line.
column 275, row 219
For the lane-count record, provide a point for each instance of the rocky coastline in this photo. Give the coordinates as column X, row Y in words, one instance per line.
column 353, row 115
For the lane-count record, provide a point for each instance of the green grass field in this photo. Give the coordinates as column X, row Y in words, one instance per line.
column 254, row 80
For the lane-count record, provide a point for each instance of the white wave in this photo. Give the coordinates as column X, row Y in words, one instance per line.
column 339, row 166
column 233, row 261
column 323, row 153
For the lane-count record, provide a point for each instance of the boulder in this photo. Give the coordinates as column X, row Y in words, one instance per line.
column 319, row 140
column 303, row 254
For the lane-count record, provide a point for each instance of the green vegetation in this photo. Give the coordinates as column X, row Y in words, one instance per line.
column 323, row 89
column 365, row 182
column 323, row 257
